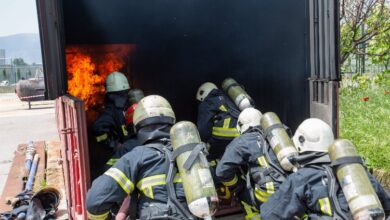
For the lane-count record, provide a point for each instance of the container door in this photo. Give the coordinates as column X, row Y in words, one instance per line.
column 324, row 60
column 52, row 44
column 72, row 128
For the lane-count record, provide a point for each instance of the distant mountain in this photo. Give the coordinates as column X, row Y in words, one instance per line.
column 26, row 46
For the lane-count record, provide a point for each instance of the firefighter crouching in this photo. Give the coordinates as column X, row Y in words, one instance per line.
column 250, row 152
column 110, row 129
column 217, row 121
column 313, row 191
column 143, row 170
column 135, row 95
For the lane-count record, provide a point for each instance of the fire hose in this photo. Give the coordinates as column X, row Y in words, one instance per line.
column 21, row 201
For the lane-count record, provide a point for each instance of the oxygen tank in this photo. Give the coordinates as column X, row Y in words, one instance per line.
column 237, row 94
column 280, row 142
column 361, row 197
column 198, row 184
column 135, row 95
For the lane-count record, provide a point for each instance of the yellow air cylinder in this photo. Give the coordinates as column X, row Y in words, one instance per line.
column 361, row 197
column 280, row 142
column 237, row 94
column 198, row 184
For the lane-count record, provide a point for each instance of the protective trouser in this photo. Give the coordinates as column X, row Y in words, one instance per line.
column 250, row 209
column 160, row 211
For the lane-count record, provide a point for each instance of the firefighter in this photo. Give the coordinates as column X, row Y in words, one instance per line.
column 312, row 191
column 110, row 129
column 250, row 152
column 217, row 121
column 135, row 95
column 143, row 170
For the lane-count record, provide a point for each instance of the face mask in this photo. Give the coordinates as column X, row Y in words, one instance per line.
column 120, row 100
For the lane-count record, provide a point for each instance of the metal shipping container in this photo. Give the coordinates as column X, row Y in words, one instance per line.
column 285, row 53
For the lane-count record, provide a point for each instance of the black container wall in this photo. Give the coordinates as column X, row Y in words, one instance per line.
column 263, row 44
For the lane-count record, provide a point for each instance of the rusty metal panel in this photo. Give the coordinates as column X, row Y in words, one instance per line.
column 71, row 122
column 52, row 43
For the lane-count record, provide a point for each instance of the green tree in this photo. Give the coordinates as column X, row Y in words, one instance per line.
column 360, row 22
column 379, row 49
column 4, row 74
column 29, row 73
column 18, row 74
column 19, row 62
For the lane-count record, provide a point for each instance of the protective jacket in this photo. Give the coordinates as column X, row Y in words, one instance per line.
column 126, row 147
column 142, row 170
column 217, row 121
column 110, row 127
column 307, row 193
column 251, row 152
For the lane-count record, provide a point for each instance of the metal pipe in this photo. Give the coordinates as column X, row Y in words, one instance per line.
column 30, row 152
column 33, row 170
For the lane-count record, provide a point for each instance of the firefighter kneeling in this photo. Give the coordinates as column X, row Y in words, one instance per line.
column 143, row 170
column 313, row 190
column 250, row 152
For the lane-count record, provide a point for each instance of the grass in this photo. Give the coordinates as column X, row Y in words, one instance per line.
column 365, row 118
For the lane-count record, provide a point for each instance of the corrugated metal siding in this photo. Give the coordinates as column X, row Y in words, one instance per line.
column 324, row 60
column 324, row 40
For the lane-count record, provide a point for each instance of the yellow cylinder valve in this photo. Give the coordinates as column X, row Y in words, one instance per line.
column 193, row 166
column 279, row 140
column 361, row 196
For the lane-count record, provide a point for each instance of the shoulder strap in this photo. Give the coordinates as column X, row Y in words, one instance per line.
column 332, row 190
column 273, row 166
column 346, row 160
column 268, row 131
column 230, row 106
column 195, row 149
column 172, row 197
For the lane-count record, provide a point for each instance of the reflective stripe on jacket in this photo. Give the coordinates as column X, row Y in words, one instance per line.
column 247, row 151
column 305, row 192
column 217, row 122
column 110, row 125
column 142, row 169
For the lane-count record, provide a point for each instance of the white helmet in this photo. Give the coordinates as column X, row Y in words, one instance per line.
column 313, row 134
column 204, row 90
column 153, row 109
column 249, row 117
column 116, row 82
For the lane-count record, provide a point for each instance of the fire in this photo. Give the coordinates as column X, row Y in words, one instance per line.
column 87, row 68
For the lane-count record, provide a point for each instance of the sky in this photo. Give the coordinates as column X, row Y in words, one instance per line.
column 18, row 16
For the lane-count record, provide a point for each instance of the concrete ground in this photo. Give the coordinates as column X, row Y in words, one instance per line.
column 19, row 125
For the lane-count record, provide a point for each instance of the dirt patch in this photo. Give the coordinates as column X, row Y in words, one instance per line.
column 383, row 177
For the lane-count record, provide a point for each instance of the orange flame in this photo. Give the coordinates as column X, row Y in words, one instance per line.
column 87, row 68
